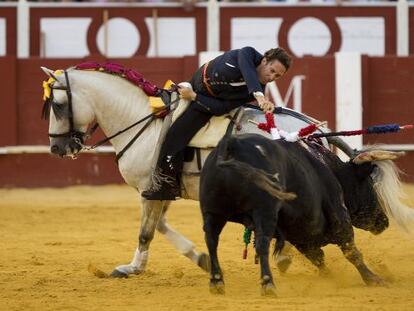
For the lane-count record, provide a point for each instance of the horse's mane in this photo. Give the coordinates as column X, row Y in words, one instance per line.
column 129, row 74
column 388, row 187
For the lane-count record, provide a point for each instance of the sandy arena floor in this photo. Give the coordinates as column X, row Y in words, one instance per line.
column 50, row 236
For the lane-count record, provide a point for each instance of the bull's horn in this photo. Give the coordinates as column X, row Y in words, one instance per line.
column 377, row 155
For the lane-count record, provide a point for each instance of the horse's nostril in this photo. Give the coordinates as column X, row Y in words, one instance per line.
column 54, row 149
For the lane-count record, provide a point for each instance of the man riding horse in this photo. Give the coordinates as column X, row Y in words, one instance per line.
column 227, row 82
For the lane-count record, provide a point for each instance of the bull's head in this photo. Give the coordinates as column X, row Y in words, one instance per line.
column 361, row 197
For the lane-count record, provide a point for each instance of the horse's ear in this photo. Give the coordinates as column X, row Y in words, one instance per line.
column 48, row 72
column 56, row 75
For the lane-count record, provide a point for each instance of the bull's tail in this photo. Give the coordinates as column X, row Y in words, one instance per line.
column 280, row 243
column 259, row 177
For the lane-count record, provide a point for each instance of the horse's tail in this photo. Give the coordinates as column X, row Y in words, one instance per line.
column 390, row 195
column 265, row 181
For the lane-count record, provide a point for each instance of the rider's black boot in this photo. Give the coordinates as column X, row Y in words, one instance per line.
column 168, row 189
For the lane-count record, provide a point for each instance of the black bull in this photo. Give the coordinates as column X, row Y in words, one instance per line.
column 253, row 181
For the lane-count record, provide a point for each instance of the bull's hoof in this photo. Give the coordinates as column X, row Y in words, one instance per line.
column 118, row 274
column 284, row 264
column 268, row 290
column 324, row 272
column 217, row 287
column 375, row 280
column 204, row 262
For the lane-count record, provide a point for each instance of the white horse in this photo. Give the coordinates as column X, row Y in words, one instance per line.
column 114, row 103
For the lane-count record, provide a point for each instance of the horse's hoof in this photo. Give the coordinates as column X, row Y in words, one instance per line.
column 284, row 264
column 269, row 290
column 217, row 288
column 118, row 274
column 204, row 262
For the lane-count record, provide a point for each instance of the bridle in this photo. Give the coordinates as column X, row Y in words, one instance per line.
column 74, row 134
column 78, row 137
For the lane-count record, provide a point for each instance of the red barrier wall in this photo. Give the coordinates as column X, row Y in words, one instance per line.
column 390, row 93
column 8, row 103
column 318, row 88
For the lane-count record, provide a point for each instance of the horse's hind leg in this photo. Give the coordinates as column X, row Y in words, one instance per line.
column 150, row 215
column 181, row 243
column 351, row 253
column 213, row 224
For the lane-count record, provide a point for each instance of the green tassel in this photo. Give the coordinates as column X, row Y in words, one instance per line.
column 247, row 236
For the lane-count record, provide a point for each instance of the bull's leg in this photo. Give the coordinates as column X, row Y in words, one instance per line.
column 262, row 249
column 182, row 244
column 316, row 256
column 351, row 253
column 150, row 215
column 265, row 224
column 213, row 224
column 284, row 258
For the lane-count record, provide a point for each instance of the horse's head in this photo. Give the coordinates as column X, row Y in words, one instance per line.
column 359, row 178
column 69, row 115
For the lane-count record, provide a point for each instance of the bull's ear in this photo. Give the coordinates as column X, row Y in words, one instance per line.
column 364, row 170
column 376, row 155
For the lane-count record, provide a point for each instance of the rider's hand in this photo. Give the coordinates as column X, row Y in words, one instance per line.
column 187, row 93
column 265, row 104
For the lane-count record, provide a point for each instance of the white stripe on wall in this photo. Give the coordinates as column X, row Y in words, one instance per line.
column 348, row 86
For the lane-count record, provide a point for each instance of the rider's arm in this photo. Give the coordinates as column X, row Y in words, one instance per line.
column 246, row 60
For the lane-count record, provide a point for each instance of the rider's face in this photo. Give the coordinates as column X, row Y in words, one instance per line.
column 269, row 71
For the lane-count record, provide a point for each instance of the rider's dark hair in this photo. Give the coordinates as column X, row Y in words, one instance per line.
column 279, row 54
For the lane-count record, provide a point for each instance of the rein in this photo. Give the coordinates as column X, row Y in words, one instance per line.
column 150, row 116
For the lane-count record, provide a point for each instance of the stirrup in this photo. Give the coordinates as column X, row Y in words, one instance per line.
column 165, row 192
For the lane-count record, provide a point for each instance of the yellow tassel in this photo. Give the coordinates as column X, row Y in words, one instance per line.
column 168, row 84
column 156, row 103
column 47, row 90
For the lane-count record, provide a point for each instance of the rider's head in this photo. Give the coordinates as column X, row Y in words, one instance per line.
column 274, row 65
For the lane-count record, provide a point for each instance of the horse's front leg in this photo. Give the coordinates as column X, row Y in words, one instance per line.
column 150, row 215
column 181, row 243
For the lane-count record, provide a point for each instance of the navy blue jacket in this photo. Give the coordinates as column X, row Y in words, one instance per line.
column 233, row 79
